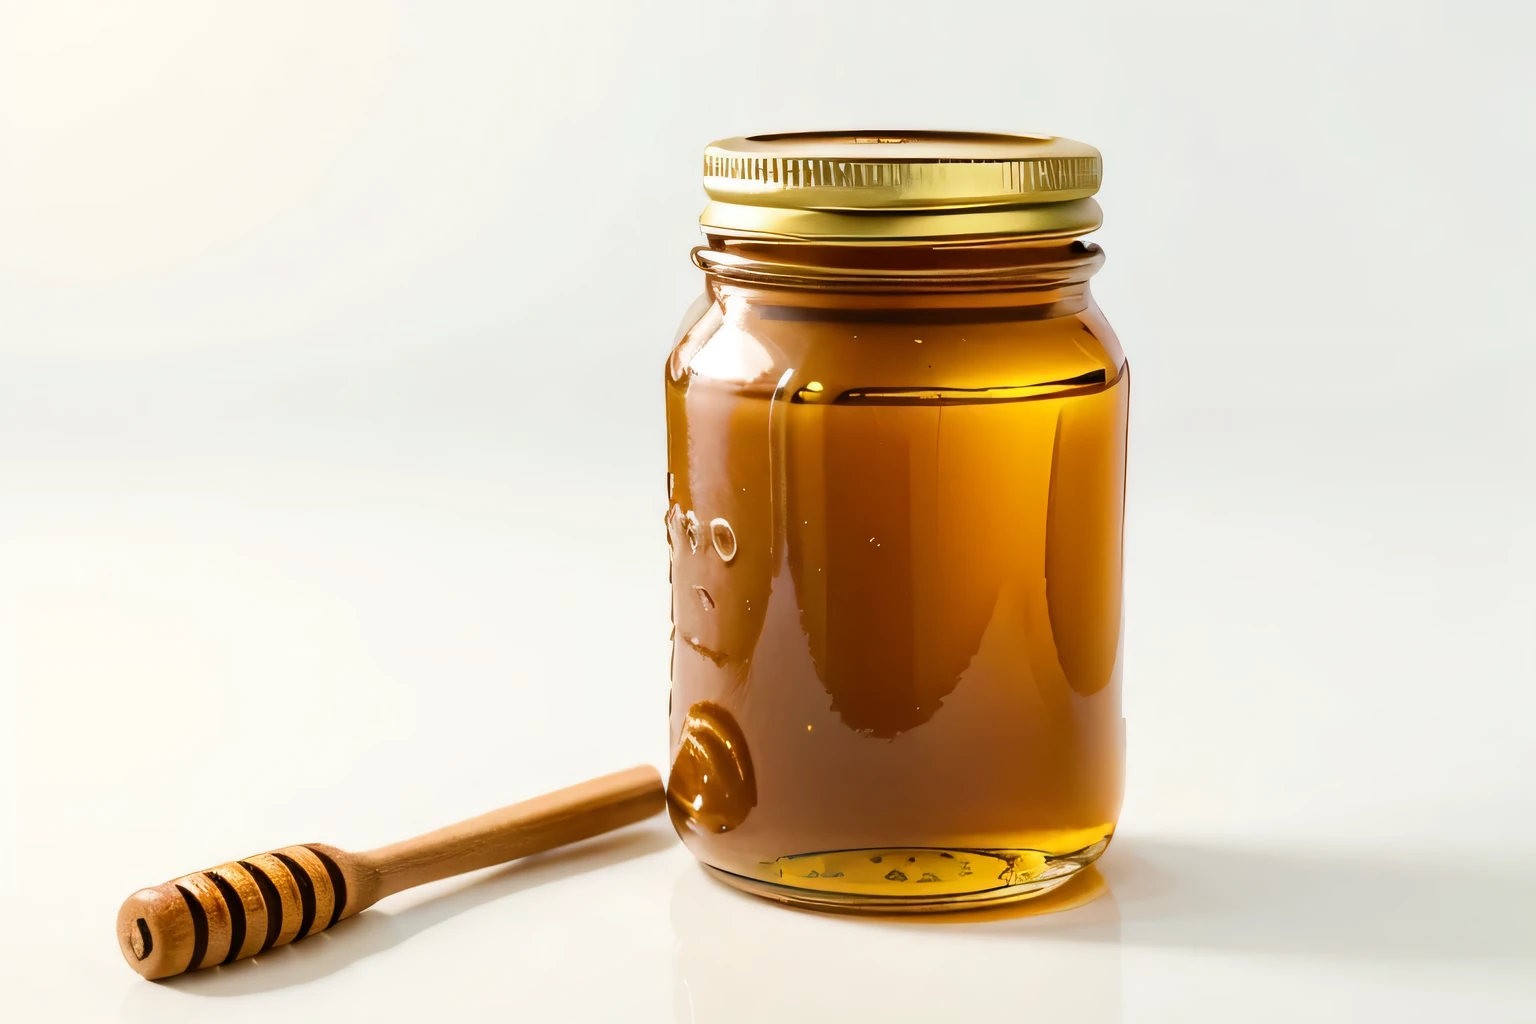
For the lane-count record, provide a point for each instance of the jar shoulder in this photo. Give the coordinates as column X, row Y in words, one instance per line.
column 751, row 345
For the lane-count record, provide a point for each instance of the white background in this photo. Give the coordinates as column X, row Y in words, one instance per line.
column 331, row 483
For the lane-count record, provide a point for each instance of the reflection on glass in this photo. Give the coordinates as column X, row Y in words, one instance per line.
column 740, row 961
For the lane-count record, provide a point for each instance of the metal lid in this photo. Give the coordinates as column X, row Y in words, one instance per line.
column 882, row 186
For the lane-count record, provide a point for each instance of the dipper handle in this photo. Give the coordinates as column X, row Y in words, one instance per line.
column 246, row 907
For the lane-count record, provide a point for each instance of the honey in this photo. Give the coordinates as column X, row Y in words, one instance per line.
column 896, row 488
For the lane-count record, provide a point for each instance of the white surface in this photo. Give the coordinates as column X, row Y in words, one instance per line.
column 331, row 483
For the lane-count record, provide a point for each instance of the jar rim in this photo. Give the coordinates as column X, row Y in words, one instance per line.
column 1050, row 270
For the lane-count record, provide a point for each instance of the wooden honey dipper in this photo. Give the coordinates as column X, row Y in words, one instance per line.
column 246, row 907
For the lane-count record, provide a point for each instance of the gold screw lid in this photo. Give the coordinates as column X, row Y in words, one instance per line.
column 881, row 186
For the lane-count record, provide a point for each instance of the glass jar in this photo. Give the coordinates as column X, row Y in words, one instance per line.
column 896, row 434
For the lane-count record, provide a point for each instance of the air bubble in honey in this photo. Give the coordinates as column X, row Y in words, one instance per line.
column 724, row 539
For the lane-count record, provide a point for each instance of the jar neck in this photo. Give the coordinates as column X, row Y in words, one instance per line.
column 1044, row 277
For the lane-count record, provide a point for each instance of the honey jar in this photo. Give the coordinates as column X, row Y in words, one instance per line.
column 896, row 440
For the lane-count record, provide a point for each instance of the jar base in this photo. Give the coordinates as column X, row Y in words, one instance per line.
column 933, row 880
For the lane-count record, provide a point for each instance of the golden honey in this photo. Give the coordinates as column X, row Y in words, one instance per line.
column 896, row 474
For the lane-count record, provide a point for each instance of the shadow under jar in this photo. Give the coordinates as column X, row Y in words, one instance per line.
column 896, row 434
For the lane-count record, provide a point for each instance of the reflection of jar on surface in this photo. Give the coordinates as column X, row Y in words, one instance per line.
column 896, row 449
